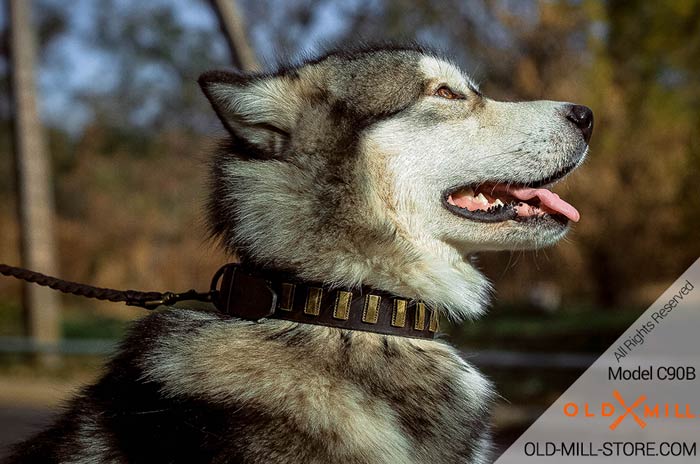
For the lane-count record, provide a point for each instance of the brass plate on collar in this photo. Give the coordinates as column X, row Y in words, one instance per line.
column 287, row 297
column 420, row 317
column 370, row 314
column 398, row 317
column 341, row 309
column 313, row 301
column 433, row 327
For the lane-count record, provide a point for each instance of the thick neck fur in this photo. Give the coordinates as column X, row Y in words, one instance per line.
column 302, row 216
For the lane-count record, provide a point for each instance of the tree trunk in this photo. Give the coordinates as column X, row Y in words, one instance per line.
column 34, row 192
column 233, row 28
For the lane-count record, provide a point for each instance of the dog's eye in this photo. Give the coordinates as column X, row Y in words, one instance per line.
column 446, row 92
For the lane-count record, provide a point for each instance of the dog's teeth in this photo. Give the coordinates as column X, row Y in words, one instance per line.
column 482, row 198
column 498, row 202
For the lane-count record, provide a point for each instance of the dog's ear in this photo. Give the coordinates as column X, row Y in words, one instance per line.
column 260, row 110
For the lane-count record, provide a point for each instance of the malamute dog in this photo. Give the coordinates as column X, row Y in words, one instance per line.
column 367, row 179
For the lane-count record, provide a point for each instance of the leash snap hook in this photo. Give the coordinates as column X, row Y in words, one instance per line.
column 164, row 299
column 169, row 298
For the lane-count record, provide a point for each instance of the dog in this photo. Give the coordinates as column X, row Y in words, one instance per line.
column 382, row 168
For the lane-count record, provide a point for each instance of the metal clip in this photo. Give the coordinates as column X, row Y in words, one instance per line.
column 168, row 298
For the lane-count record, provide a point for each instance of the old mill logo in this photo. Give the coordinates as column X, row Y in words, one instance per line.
column 639, row 411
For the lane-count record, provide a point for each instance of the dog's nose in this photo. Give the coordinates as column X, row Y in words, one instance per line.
column 582, row 117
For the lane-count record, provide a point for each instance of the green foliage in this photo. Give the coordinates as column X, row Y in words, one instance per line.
column 77, row 323
column 84, row 323
column 11, row 322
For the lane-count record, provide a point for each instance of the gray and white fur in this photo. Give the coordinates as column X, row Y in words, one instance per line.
column 335, row 170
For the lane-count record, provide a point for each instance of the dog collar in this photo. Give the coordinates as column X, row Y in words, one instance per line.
column 254, row 295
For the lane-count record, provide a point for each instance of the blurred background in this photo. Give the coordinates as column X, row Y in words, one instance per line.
column 104, row 138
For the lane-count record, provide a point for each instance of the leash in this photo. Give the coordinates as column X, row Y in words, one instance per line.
column 146, row 300
column 258, row 294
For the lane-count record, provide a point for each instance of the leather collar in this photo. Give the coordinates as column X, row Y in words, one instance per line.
column 254, row 295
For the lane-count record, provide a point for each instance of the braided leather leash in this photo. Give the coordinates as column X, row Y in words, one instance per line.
column 147, row 300
column 255, row 295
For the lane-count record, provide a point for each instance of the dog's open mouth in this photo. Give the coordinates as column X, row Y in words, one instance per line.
column 502, row 201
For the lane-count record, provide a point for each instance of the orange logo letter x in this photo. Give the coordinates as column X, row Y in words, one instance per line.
column 628, row 410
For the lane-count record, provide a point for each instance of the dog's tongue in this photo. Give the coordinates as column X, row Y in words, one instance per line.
column 547, row 198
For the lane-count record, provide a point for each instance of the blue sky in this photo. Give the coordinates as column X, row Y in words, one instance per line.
column 71, row 64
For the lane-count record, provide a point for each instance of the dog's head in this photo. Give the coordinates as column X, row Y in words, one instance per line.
column 388, row 167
